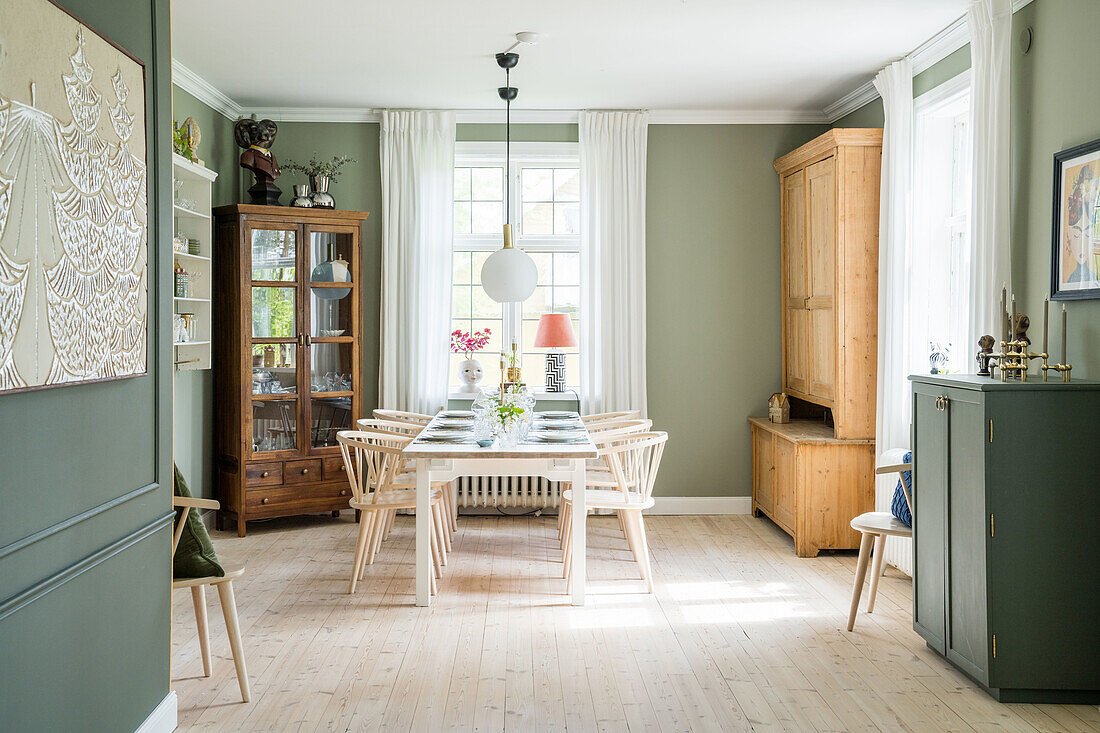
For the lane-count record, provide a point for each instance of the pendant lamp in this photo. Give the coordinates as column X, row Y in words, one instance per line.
column 509, row 275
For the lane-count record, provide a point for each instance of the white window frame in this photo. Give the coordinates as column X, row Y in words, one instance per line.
column 931, row 221
column 523, row 155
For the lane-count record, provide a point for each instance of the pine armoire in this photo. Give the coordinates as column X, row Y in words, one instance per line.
column 813, row 475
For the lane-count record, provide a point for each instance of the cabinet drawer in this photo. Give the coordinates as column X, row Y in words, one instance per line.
column 334, row 468
column 263, row 474
column 299, row 498
column 300, row 472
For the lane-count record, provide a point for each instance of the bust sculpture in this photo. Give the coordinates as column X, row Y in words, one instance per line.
column 257, row 137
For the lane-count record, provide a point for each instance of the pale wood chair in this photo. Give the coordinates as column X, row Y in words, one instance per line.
column 875, row 528
column 450, row 497
column 372, row 462
column 224, row 584
column 634, row 461
column 603, row 416
column 418, row 418
column 597, row 471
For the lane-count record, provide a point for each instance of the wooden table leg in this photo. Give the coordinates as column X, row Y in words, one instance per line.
column 423, row 535
column 579, row 518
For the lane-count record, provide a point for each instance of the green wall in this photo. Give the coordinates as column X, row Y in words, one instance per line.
column 86, row 482
column 1049, row 113
column 193, row 405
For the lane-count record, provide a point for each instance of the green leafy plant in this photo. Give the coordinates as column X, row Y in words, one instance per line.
column 329, row 168
column 181, row 142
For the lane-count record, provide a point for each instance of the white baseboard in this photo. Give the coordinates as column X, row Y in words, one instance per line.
column 163, row 717
column 702, row 505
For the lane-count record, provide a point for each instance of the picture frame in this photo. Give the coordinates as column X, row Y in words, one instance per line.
column 1075, row 238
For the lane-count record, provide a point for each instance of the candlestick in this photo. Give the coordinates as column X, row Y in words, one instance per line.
column 1012, row 321
column 1004, row 311
column 1064, row 334
column 1046, row 317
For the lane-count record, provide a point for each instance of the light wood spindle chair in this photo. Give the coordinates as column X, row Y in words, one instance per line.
column 634, row 461
column 875, row 528
column 603, row 416
column 224, row 584
column 421, row 421
column 418, row 418
column 372, row 462
column 450, row 498
column 598, row 472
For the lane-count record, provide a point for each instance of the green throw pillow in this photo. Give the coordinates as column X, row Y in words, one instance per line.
column 194, row 556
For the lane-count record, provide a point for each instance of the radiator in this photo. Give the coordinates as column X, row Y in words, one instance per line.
column 507, row 491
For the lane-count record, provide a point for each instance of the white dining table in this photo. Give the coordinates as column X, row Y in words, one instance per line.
column 436, row 461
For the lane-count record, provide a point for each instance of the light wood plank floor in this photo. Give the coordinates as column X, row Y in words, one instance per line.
column 740, row 635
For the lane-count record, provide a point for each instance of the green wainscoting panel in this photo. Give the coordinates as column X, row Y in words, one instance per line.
column 85, row 486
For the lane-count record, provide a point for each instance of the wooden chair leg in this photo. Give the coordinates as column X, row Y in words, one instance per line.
column 876, row 570
column 377, row 535
column 360, row 549
column 198, row 597
column 865, row 543
column 434, row 543
column 452, row 515
column 437, row 524
column 646, row 560
column 629, row 529
column 565, row 512
column 229, row 611
column 567, row 548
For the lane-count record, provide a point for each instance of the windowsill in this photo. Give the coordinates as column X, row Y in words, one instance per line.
column 570, row 395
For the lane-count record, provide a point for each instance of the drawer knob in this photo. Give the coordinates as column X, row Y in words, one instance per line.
column 305, row 471
column 264, row 474
column 341, row 466
column 264, row 500
column 343, row 492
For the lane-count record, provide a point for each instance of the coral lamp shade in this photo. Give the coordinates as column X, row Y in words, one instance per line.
column 555, row 332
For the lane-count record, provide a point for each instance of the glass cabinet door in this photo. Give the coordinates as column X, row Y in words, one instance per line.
column 275, row 337
column 332, row 319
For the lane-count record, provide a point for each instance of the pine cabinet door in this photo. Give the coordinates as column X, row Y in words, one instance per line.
column 821, row 278
column 796, row 292
column 763, row 472
column 784, row 452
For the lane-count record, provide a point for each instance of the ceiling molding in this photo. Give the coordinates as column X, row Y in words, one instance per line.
column 851, row 101
column 924, row 57
column 204, row 91
column 316, row 114
column 735, row 117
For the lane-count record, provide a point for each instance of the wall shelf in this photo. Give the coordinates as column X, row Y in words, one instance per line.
column 193, row 182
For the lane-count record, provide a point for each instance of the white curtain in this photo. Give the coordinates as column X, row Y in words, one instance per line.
column 613, row 187
column 418, row 153
column 895, row 85
column 990, row 25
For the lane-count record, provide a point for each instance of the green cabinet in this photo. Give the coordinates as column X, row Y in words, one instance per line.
column 1006, row 531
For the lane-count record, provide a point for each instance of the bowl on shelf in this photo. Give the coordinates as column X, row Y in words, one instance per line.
column 332, row 332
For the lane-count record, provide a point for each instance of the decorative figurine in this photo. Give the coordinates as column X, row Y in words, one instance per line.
column 985, row 355
column 256, row 137
column 939, row 356
column 1019, row 333
column 194, row 136
column 779, row 408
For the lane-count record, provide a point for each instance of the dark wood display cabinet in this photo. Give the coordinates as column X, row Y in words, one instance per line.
column 1006, row 502
column 287, row 349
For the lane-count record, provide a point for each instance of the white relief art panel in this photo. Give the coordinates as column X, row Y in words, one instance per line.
column 73, row 207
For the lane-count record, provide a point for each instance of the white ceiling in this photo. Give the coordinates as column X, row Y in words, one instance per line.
column 738, row 55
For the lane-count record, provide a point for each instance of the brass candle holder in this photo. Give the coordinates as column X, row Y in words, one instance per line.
column 1014, row 358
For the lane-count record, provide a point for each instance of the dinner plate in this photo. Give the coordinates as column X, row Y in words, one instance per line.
column 445, row 434
column 557, row 437
column 465, row 414
column 559, row 425
column 555, row 415
column 454, row 422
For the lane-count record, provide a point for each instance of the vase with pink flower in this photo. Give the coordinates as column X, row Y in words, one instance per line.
column 469, row 370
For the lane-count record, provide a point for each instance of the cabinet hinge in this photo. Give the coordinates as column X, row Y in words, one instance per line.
column 991, row 524
column 990, row 430
column 994, row 646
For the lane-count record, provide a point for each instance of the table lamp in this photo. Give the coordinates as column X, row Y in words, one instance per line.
column 555, row 332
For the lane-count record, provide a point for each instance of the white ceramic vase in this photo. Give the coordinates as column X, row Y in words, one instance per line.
column 469, row 374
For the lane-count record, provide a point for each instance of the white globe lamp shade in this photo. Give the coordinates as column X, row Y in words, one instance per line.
column 509, row 275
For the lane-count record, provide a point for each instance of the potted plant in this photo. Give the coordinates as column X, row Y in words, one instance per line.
column 469, row 370
column 320, row 173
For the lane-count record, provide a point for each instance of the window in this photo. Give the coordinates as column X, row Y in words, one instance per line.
column 940, row 256
column 544, row 187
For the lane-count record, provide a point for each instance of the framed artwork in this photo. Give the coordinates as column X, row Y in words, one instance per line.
column 73, row 203
column 1075, row 246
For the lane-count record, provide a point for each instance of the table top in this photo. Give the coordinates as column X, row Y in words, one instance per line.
column 424, row 449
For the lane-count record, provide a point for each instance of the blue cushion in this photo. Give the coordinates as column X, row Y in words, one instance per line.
column 898, row 506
